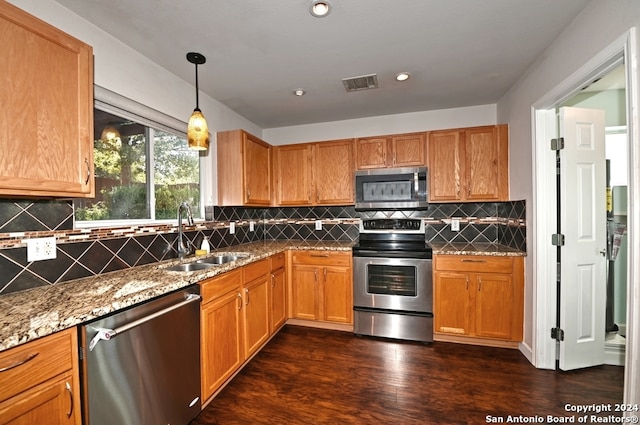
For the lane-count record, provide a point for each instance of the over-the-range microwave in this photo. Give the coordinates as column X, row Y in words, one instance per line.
column 391, row 189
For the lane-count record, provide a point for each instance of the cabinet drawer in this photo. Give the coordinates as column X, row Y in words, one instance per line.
column 256, row 270
column 322, row 258
column 215, row 287
column 473, row 263
column 278, row 261
column 30, row 364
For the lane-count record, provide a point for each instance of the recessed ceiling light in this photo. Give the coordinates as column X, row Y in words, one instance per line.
column 320, row 8
column 403, row 76
column 299, row 92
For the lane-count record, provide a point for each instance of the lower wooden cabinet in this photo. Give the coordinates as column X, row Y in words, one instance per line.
column 221, row 330
column 478, row 297
column 278, row 293
column 322, row 288
column 240, row 310
column 39, row 381
column 256, row 306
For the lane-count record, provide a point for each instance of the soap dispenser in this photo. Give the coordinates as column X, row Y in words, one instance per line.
column 205, row 245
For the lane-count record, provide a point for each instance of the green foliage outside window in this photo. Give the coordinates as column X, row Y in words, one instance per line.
column 122, row 177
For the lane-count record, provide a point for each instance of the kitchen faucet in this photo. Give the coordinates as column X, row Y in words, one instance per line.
column 184, row 249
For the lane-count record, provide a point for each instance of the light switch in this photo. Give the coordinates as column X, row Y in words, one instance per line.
column 232, row 227
column 455, row 224
column 318, row 224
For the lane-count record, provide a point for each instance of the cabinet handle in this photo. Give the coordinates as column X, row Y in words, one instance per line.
column 239, row 301
column 320, row 255
column 473, row 261
column 273, row 280
column 19, row 362
column 467, row 283
column 325, row 273
column 246, row 291
column 86, row 161
column 479, row 283
column 67, row 386
column 468, row 190
column 315, row 275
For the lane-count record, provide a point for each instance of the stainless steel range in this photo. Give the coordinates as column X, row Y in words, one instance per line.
column 392, row 280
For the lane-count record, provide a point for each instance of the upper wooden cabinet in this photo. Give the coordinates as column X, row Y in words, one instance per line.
column 46, row 118
column 318, row 173
column 402, row 150
column 469, row 164
column 244, row 174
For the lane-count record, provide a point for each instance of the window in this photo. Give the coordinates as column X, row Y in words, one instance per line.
column 143, row 167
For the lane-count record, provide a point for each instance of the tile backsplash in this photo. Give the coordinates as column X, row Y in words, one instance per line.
column 88, row 252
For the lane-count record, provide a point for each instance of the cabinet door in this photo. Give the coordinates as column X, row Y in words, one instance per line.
column 293, row 174
column 221, row 341
column 278, row 299
column 494, row 305
column 371, row 153
column 408, row 150
column 48, row 403
column 481, row 154
column 305, row 292
column 333, row 172
column 337, row 294
column 451, row 301
column 257, row 173
column 256, row 314
column 446, row 164
column 46, row 118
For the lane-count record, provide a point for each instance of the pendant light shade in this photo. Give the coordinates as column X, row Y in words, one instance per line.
column 197, row 129
column 110, row 134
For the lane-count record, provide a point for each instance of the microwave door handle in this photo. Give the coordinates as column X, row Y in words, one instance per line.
column 415, row 183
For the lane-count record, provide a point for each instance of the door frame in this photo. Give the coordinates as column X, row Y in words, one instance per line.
column 544, row 128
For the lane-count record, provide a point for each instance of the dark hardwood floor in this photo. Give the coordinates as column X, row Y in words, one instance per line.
column 314, row 376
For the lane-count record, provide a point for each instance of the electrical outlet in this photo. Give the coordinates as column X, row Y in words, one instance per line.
column 41, row 249
column 252, row 226
column 232, row 227
column 318, row 224
column 455, row 224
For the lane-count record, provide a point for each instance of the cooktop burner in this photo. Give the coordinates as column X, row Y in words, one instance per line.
column 392, row 237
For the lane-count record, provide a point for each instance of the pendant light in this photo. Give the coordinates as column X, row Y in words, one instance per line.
column 197, row 129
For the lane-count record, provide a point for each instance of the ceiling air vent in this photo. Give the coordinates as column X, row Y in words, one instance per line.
column 363, row 82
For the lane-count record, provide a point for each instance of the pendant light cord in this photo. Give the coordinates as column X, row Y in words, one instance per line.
column 197, row 95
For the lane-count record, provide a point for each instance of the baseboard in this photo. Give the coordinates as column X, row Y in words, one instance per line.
column 321, row 325
column 475, row 341
column 614, row 350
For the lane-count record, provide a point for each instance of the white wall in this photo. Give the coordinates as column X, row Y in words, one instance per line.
column 386, row 124
column 601, row 23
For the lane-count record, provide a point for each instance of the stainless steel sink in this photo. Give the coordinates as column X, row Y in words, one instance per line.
column 205, row 263
column 189, row 267
column 217, row 260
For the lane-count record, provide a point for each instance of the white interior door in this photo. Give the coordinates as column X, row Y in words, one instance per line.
column 583, row 223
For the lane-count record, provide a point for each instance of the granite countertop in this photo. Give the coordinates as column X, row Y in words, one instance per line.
column 492, row 249
column 30, row 314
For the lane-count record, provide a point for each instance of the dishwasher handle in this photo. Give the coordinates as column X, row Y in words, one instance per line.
column 106, row 334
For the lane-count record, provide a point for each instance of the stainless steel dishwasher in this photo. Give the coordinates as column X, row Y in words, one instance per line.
column 141, row 366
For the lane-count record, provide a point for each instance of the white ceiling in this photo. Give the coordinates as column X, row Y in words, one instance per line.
column 459, row 52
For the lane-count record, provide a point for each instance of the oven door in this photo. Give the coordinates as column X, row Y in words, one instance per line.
column 399, row 284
